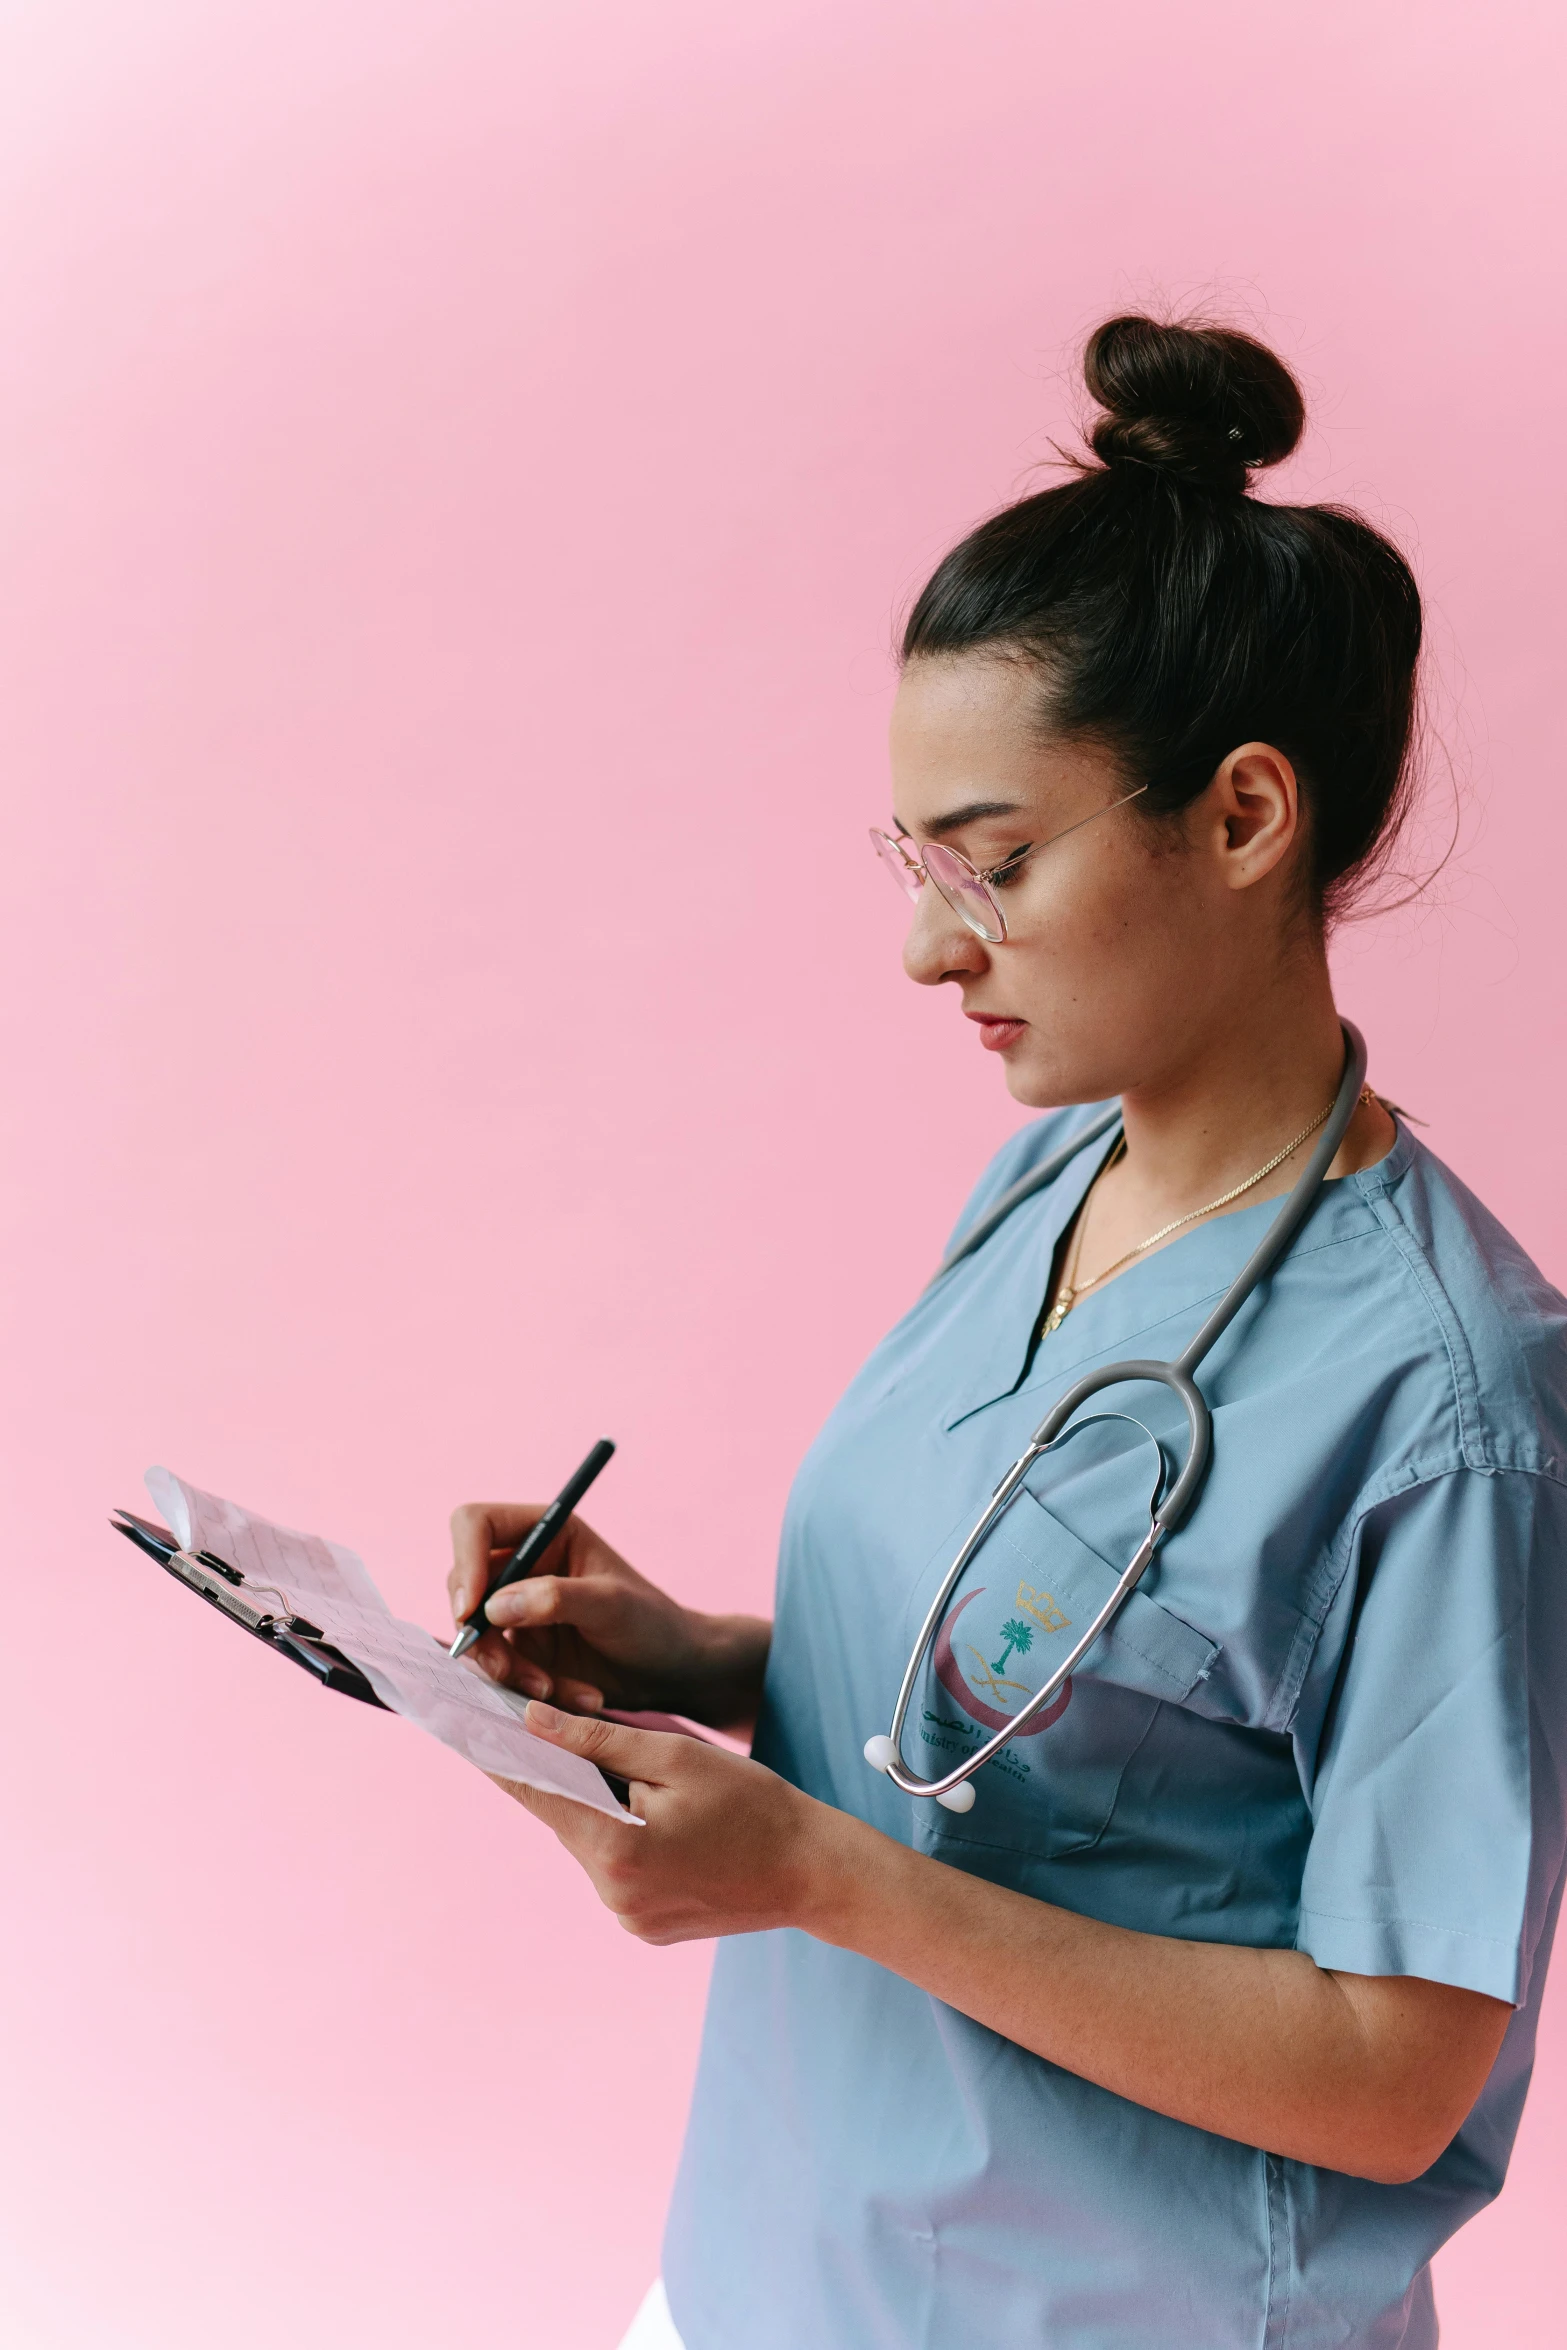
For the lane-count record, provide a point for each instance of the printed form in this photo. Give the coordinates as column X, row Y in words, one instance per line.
column 407, row 1667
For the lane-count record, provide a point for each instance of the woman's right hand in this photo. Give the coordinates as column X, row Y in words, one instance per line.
column 593, row 1632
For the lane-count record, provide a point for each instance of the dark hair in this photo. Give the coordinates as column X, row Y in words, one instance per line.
column 1175, row 617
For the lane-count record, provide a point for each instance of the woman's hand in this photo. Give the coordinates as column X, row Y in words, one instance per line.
column 594, row 1632
column 729, row 1847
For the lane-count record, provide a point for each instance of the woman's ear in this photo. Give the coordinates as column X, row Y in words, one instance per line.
column 1255, row 813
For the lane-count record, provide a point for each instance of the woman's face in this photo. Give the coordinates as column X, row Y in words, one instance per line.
column 1129, row 941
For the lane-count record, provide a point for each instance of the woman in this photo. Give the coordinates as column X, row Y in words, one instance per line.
column 1212, row 2019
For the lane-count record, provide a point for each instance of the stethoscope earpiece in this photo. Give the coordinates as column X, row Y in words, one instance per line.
column 881, row 1754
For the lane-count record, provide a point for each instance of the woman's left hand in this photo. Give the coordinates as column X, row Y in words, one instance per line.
column 729, row 1847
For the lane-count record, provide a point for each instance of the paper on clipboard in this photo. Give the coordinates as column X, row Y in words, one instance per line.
column 408, row 1668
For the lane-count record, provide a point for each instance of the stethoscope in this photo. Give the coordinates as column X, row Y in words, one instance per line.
column 956, row 1790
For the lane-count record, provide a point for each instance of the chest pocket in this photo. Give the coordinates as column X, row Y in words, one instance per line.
column 1031, row 1594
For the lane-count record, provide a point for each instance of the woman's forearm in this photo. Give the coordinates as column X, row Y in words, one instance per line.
column 1359, row 2073
column 1371, row 2075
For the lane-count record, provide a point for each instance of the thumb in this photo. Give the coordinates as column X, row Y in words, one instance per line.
column 630, row 1754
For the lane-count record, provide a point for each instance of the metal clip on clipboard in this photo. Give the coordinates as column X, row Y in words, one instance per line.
column 226, row 1589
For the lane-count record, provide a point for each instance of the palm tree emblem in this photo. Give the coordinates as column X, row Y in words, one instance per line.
column 1017, row 1635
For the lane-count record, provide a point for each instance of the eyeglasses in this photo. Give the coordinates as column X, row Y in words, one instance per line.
column 970, row 893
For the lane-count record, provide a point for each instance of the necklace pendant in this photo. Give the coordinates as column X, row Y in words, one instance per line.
column 1058, row 1312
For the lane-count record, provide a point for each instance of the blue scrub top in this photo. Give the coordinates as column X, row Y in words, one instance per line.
column 1333, row 1718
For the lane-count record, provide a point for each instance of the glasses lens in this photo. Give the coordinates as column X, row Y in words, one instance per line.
column 897, row 864
column 965, row 893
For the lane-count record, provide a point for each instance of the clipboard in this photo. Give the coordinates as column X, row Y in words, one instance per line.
column 225, row 1588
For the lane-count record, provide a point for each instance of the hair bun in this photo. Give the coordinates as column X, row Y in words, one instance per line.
column 1202, row 402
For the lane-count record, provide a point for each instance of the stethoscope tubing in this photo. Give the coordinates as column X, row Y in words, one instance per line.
column 1166, row 1513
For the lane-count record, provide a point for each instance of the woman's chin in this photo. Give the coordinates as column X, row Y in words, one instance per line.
column 1037, row 1079
column 1028, row 1082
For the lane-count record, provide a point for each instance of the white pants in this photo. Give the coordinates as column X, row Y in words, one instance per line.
column 653, row 2328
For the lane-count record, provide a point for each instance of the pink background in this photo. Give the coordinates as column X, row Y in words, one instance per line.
column 460, row 461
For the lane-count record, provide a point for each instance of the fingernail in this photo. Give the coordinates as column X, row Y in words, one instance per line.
column 542, row 1717
column 591, row 1700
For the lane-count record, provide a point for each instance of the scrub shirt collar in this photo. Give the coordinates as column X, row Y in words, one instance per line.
column 1148, row 1309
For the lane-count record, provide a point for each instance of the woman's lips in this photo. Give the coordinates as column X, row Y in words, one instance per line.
column 995, row 1035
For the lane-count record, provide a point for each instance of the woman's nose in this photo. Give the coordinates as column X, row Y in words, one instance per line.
column 939, row 945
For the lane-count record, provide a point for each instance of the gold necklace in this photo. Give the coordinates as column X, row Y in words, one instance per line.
column 1072, row 1289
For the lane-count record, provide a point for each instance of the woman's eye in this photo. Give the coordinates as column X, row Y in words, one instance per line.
column 1008, row 869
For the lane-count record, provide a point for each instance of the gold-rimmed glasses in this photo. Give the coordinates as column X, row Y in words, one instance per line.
column 969, row 892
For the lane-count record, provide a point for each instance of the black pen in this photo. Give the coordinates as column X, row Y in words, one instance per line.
column 536, row 1541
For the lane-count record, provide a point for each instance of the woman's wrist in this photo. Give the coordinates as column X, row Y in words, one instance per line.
column 728, row 1662
column 843, row 1870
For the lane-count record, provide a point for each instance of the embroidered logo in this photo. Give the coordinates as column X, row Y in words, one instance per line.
column 964, row 1671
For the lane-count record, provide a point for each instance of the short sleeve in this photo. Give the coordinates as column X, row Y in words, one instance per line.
column 1438, row 1789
